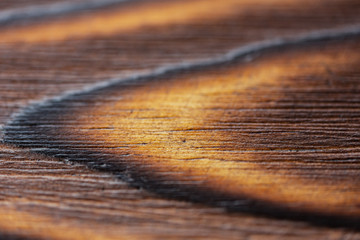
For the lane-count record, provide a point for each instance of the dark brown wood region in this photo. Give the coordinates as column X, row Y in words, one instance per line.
column 264, row 146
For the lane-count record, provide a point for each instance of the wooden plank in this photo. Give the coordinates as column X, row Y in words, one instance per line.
column 300, row 102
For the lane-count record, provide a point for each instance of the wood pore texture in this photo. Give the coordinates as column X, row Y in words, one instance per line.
column 263, row 145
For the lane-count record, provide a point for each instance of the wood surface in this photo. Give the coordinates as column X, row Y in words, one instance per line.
column 234, row 119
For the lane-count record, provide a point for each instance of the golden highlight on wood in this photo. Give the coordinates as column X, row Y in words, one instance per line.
column 142, row 15
column 213, row 125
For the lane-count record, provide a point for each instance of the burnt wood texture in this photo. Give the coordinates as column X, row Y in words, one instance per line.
column 222, row 119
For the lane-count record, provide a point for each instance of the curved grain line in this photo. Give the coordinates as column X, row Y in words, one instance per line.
column 52, row 9
column 232, row 55
column 12, row 135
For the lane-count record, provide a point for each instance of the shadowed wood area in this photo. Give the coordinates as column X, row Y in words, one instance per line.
column 251, row 133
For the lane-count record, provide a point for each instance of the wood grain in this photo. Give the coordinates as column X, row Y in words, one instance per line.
column 306, row 132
